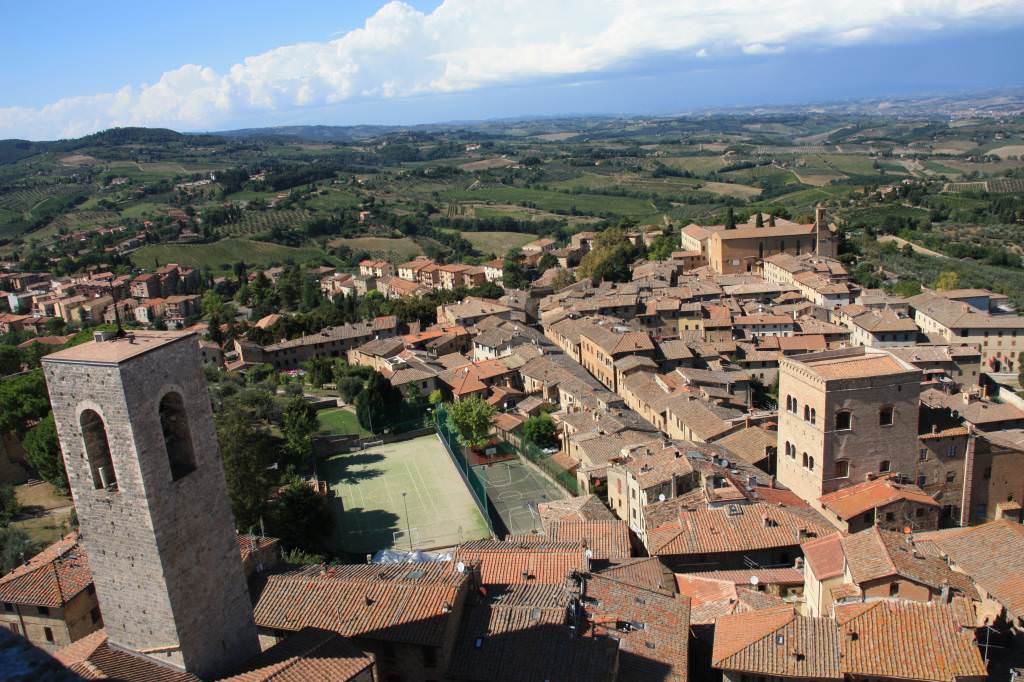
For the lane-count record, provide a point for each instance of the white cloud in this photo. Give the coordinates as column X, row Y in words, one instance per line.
column 468, row 44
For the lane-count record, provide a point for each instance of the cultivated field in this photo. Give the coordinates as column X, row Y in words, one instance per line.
column 497, row 243
column 402, row 248
column 400, row 495
column 220, row 255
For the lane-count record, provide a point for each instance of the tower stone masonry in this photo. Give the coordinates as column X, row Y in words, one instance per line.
column 136, row 429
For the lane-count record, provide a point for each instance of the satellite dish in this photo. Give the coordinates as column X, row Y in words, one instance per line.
column 460, row 567
column 661, row 497
column 754, row 580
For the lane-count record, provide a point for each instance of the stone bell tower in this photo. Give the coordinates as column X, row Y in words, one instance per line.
column 136, row 430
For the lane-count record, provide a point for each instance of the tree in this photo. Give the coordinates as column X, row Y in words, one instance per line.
column 730, row 219
column 9, row 506
column 300, row 517
column 540, row 430
column 562, row 279
column 245, row 451
column 436, row 397
column 10, row 359
column 23, row 400
column 378, row 405
column 771, row 220
column 546, row 261
column 319, row 371
column 947, row 280
column 611, row 258
column 42, row 452
column 300, row 423
column 470, row 419
column 15, row 548
column 759, row 221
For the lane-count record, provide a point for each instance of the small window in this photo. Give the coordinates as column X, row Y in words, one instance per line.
column 811, row 464
column 805, row 459
column 807, row 413
column 951, row 452
column 48, row 633
column 842, row 468
column 950, row 476
column 43, row 610
column 922, row 481
column 890, row 517
column 885, row 416
column 844, row 420
column 814, row 416
column 894, row 589
column 883, row 466
column 922, row 454
column 95, row 615
column 988, row 473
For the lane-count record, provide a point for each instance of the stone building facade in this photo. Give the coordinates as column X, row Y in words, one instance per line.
column 136, row 431
column 845, row 415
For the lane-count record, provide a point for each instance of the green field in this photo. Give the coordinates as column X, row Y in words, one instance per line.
column 497, row 242
column 339, row 421
column 402, row 248
column 220, row 255
column 373, row 490
column 548, row 200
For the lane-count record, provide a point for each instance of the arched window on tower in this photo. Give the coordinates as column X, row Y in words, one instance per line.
column 97, row 451
column 177, row 437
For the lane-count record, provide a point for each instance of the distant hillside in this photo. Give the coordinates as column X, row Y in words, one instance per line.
column 12, row 151
column 313, row 133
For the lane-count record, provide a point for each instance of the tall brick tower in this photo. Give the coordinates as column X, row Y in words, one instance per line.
column 136, row 430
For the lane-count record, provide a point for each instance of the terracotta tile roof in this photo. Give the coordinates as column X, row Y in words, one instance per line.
column 647, row 572
column 907, row 640
column 653, row 647
column 750, row 444
column 93, row 659
column 605, row 539
column 862, row 497
column 825, row 556
column 309, row 654
column 509, row 563
column 51, row 578
column 992, row 555
column 523, row 643
column 875, row 553
column 765, row 576
column 408, row 603
column 247, row 544
column 779, row 643
column 584, row 508
column 702, row 529
column 858, row 368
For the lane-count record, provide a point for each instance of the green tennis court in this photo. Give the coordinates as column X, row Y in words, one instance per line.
column 400, row 496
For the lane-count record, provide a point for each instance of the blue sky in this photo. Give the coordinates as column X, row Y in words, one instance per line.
column 210, row 66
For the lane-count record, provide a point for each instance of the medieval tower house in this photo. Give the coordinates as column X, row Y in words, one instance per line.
column 136, row 431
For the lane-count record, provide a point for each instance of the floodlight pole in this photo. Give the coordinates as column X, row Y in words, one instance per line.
column 408, row 531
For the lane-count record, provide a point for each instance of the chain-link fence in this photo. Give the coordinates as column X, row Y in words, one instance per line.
column 544, row 460
column 473, row 479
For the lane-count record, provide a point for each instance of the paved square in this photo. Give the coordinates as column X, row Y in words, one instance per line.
column 515, row 490
column 370, row 509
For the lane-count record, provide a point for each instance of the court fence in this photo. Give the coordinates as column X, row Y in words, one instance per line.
column 474, row 481
column 544, row 460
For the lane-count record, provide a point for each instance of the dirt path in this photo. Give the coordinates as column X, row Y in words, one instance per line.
column 900, row 242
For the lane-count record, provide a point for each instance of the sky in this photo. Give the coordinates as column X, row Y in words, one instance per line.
column 83, row 67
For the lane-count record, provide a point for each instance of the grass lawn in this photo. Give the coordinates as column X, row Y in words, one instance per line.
column 45, row 513
column 339, row 420
column 387, row 495
column 221, row 254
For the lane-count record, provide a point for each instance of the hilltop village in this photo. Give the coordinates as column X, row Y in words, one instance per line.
column 744, row 466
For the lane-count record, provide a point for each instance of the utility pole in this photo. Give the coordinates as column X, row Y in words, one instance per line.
column 408, row 530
